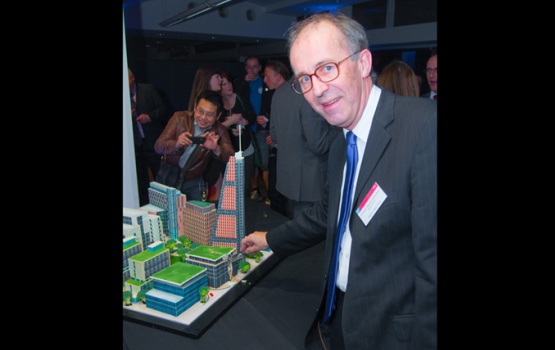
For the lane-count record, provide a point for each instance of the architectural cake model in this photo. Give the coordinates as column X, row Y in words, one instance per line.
column 178, row 253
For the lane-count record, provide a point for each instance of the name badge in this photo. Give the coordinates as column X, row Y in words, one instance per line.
column 372, row 201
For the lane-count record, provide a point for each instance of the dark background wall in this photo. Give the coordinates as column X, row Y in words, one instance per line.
column 174, row 78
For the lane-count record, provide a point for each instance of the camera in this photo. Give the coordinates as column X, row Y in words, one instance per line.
column 198, row 139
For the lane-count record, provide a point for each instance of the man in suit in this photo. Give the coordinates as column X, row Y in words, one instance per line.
column 276, row 74
column 260, row 97
column 386, row 283
column 303, row 138
column 150, row 115
column 431, row 77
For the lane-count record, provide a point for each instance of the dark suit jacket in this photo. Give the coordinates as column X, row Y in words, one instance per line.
column 427, row 95
column 243, row 106
column 391, row 297
column 266, row 107
column 304, row 138
column 151, row 103
column 242, row 88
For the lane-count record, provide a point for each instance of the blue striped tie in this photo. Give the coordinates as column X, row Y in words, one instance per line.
column 352, row 159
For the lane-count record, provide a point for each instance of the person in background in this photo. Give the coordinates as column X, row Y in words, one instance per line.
column 252, row 86
column 238, row 116
column 399, row 78
column 208, row 77
column 175, row 144
column 304, row 139
column 431, row 76
column 260, row 97
column 384, row 295
column 276, row 73
column 374, row 75
column 150, row 114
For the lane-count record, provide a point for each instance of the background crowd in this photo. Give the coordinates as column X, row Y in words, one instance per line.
column 248, row 109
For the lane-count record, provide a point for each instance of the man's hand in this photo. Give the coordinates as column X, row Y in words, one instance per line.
column 184, row 140
column 144, row 118
column 254, row 242
column 261, row 120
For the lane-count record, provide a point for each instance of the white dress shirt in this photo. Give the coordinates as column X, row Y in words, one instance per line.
column 361, row 130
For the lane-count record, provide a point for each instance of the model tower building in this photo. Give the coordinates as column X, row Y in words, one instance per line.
column 173, row 201
column 162, row 213
column 150, row 226
column 140, row 218
column 198, row 221
column 229, row 229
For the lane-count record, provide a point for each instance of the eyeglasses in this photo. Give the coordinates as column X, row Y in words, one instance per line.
column 325, row 73
column 429, row 70
column 200, row 112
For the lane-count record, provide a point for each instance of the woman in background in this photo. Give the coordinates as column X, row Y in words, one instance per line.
column 238, row 115
column 399, row 78
column 206, row 78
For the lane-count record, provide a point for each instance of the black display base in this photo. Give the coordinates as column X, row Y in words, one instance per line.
column 211, row 315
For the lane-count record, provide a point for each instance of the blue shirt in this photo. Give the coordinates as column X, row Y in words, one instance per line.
column 256, row 94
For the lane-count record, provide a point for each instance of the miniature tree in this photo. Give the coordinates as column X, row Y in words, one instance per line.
column 203, row 292
column 181, row 252
column 244, row 266
column 170, row 243
column 127, row 297
column 256, row 256
column 187, row 243
column 181, row 240
column 142, row 295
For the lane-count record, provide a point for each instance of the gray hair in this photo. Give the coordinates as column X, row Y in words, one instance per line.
column 354, row 32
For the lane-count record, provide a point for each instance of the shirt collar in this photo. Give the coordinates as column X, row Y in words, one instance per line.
column 362, row 129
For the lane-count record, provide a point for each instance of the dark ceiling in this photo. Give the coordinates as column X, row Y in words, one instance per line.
column 179, row 45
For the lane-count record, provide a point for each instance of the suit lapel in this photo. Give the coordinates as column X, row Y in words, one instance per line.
column 336, row 164
column 378, row 139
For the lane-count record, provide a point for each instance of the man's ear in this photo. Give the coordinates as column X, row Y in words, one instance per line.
column 365, row 61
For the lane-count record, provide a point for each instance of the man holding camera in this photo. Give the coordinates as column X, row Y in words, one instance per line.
column 192, row 158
